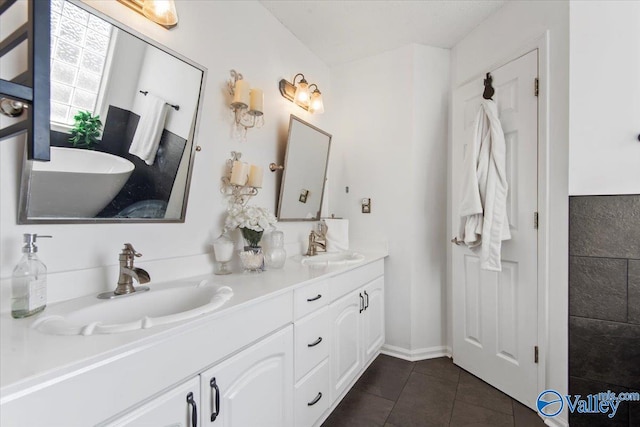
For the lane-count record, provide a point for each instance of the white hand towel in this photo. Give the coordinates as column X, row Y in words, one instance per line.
column 149, row 131
column 337, row 234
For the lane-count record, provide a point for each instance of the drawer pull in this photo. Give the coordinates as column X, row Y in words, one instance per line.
column 361, row 303
column 315, row 343
column 194, row 410
column 214, row 388
column 314, row 298
column 367, row 298
column 316, row 400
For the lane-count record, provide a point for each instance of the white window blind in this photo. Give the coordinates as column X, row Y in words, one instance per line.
column 79, row 49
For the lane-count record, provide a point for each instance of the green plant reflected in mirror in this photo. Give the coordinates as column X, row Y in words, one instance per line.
column 86, row 130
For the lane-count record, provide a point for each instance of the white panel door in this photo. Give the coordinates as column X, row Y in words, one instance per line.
column 373, row 319
column 495, row 313
column 346, row 341
column 253, row 388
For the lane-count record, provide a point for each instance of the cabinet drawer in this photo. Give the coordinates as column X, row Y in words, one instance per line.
column 312, row 396
column 344, row 283
column 309, row 298
column 311, row 343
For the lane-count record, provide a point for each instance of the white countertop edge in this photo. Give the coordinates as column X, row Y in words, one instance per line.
column 21, row 345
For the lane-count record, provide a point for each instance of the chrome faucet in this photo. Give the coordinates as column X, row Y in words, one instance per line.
column 318, row 240
column 128, row 273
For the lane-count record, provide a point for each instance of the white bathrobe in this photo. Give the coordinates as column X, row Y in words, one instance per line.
column 483, row 199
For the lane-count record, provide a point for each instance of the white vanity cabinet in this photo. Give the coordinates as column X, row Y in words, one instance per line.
column 357, row 324
column 253, row 388
column 373, row 318
column 179, row 407
column 284, row 359
column 311, row 346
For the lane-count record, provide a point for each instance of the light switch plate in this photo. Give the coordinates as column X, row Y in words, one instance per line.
column 366, row 205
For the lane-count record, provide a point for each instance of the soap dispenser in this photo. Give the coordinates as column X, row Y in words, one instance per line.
column 29, row 281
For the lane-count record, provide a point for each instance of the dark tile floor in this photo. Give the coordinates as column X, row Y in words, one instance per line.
column 395, row 393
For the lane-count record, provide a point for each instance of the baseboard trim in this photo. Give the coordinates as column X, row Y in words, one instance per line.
column 415, row 355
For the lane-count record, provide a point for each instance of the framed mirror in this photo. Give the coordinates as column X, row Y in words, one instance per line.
column 124, row 115
column 305, row 170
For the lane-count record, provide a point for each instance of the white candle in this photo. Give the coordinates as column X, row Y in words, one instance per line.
column 239, row 173
column 257, row 100
column 255, row 176
column 241, row 93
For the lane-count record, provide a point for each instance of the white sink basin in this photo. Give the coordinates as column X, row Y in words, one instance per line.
column 332, row 258
column 138, row 311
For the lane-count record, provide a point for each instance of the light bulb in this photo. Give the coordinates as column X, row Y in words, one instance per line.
column 316, row 105
column 302, row 93
column 162, row 12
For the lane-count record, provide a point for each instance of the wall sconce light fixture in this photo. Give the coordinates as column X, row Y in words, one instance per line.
column 162, row 12
column 247, row 103
column 302, row 95
column 242, row 180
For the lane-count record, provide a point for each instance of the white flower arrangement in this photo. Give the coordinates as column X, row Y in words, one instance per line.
column 251, row 220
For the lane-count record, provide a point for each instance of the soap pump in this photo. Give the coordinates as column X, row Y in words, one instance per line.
column 29, row 281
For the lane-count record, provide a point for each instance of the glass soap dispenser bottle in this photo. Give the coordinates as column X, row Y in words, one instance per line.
column 29, row 281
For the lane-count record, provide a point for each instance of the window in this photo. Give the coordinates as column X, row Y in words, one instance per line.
column 79, row 49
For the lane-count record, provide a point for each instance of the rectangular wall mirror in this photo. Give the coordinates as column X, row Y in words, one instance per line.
column 148, row 100
column 305, row 171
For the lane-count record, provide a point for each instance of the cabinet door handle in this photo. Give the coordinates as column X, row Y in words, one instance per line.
column 314, row 298
column 194, row 410
column 216, row 392
column 367, row 303
column 316, row 400
column 361, row 303
column 315, row 343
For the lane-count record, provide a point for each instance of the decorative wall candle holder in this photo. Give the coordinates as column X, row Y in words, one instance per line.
column 241, row 180
column 247, row 104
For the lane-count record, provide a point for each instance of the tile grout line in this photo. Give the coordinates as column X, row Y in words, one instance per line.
column 397, row 398
column 454, row 400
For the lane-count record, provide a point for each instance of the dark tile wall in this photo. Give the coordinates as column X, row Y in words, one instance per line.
column 604, row 302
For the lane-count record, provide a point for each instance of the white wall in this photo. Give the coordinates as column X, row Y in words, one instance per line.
column 605, row 98
column 125, row 60
column 502, row 37
column 431, row 80
column 390, row 146
column 208, row 34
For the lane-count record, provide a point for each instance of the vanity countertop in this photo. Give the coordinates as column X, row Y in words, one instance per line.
column 29, row 358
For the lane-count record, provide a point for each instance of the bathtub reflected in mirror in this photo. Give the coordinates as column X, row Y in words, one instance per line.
column 76, row 182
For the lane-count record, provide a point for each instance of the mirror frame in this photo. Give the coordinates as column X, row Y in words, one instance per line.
column 24, row 194
column 286, row 167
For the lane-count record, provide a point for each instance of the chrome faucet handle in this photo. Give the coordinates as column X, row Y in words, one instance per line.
column 129, row 250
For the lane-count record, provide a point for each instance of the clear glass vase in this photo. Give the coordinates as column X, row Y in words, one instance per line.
column 275, row 255
column 252, row 259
